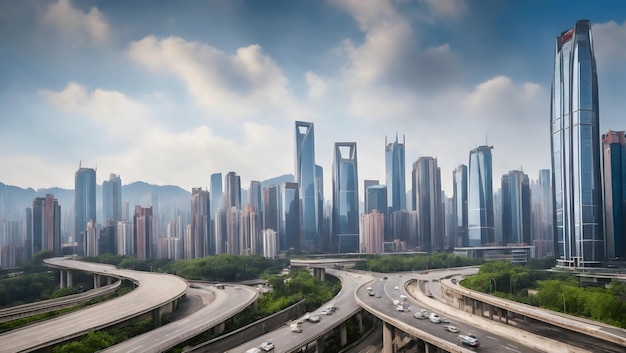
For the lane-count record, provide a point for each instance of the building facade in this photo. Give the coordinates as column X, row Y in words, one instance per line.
column 515, row 208
column 614, row 164
column 426, row 195
column 46, row 225
column 575, row 146
column 305, row 172
column 459, row 205
column 84, row 204
column 395, row 174
column 200, row 224
column 480, row 215
column 346, row 197
column 112, row 198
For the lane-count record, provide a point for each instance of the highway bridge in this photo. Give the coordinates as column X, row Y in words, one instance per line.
column 156, row 294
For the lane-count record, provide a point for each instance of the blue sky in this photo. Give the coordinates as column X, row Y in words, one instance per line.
column 169, row 92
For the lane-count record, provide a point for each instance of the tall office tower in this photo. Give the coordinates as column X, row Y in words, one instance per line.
column 346, row 197
column 249, row 231
column 200, row 224
column 46, row 225
column 91, row 239
column 515, row 208
column 450, row 223
column 216, row 193
column 575, row 144
column 497, row 215
column 366, row 184
column 480, row 228
column 426, row 183
column 376, row 196
column 270, row 243
column 233, row 224
column 459, row 197
column 322, row 238
column 143, row 232
column 233, row 191
column 84, row 204
column 614, row 163
column 542, row 234
column 255, row 197
column 220, row 229
column 372, row 232
column 125, row 211
column 305, row 177
column 271, row 207
column 290, row 236
column 112, row 198
column 404, row 226
column 125, row 239
column 395, row 175
column 107, row 241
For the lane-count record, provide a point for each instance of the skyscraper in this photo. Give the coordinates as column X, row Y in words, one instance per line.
column 271, row 207
column 614, row 162
column 84, row 204
column 233, row 191
column 376, row 199
column 346, row 197
column 372, row 229
column 46, row 225
column 480, row 197
column 542, row 230
column 515, row 208
column 575, row 145
column 395, row 175
column 112, row 198
column 459, row 203
column 216, row 193
column 254, row 197
column 290, row 235
column 366, row 184
column 305, row 177
column 200, row 224
column 143, row 233
column 426, row 184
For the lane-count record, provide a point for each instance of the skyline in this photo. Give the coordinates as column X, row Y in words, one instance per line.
column 173, row 95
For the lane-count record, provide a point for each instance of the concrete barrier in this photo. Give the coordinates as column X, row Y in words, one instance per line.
column 528, row 339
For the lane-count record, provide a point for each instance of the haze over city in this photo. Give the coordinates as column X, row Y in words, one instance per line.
column 169, row 94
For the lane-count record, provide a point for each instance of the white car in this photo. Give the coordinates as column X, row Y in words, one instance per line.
column 451, row 328
column 434, row 318
column 267, row 346
column 306, row 316
column 396, row 287
column 314, row 318
column 399, row 308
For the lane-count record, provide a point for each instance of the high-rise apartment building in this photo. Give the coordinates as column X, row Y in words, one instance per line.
column 614, row 163
column 201, row 244
column 143, row 233
column 459, row 204
column 395, row 175
column 515, row 208
column 46, row 225
column 249, row 231
column 575, row 145
column 305, row 170
column 426, row 186
column 255, row 198
column 233, row 190
column 372, row 232
column 480, row 213
column 542, row 230
column 271, row 207
column 112, row 198
column 84, row 204
column 346, row 197
column 216, row 193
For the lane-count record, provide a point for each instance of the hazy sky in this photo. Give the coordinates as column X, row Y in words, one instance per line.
column 169, row 92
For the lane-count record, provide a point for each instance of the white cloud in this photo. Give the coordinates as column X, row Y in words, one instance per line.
column 317, row 87
column 246, row 85
column 77, row 26
column 610, row 45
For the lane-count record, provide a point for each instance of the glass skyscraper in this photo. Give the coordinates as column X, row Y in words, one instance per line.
column 346, row 197
column 480, row 197
column 575, row 145
column 290, row 235
column 216, row 193
column 395, row 175
column 426, row 183
column 84, row 204
column 459, row 204
column 614, row 163
column 306, row 177
column 515, row 208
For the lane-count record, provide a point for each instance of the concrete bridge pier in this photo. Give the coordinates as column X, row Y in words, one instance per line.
column 319, row 345
column 65, row 279
column 359, row 319
column 388, row 338
column 61, row 279
column 343, row 335
column 217, row 330
column 156, row 317
column 319, row 273
column 96, row 281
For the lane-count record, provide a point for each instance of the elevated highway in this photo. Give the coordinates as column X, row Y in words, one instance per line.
column 155, row 295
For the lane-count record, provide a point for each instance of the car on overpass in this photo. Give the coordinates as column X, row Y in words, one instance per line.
column 267, row 346
column 469, row 340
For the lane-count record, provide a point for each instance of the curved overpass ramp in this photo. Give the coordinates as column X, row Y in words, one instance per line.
column 227, row 303
column 154, row 291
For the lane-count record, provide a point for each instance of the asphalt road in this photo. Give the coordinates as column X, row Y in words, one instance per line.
column 489, row 342
column 154, row 289
column 286, row 341
column 226, row 303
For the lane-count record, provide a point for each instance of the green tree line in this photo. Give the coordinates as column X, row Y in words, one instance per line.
column 416, row 262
